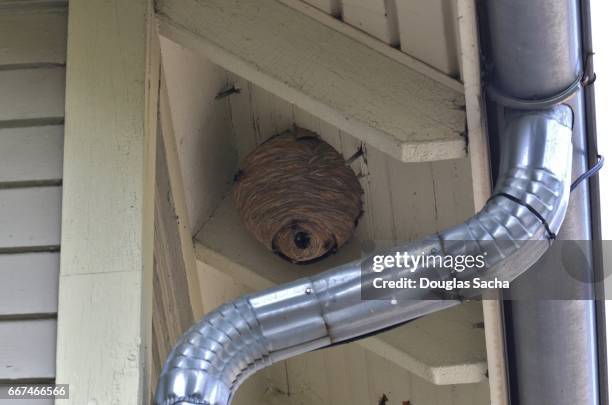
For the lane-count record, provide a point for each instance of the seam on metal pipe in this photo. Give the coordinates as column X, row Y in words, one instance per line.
column 218, row 353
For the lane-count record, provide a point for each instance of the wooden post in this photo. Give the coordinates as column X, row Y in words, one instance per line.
column 104, row 321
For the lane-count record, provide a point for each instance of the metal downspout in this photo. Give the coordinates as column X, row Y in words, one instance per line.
column 514, row 229
column 535, row 53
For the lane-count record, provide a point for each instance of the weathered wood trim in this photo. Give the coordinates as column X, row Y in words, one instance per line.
column 328, row 74
column 477, row 128
column 179, row 203
column 492, row 309
column 104, row 317
column 172, row 310
column 481, row 185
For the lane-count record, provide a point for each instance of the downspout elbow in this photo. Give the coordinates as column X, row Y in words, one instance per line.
column 217, row 354
column 210, row 358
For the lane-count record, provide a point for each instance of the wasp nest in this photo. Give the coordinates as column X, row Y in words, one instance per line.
column 297, row 196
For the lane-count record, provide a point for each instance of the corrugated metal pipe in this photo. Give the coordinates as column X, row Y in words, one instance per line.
column 515, row 228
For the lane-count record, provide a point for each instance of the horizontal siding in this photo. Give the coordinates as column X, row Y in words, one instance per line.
column 30, row 217
column 31, row 154
column 27, row 349
column 29, row 284
column 29, row 94
column 426, row 30
column 41, row 35
column 25, row 4
column 32, row 86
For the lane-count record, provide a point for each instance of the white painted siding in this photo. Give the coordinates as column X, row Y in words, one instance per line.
column 331, row 7
column 27, row 349
column 31, row 154
column 28, row 284
column 376, row 17
column 424, row 29
column 35, row 94
column 33, row 35
column 32, row 58
column 30, row 217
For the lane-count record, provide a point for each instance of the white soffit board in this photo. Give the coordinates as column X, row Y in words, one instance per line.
column 397, row 110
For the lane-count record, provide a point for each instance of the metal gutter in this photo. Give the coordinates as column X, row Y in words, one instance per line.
column 552, row 344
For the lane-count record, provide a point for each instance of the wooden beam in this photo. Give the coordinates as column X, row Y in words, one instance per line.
column 172, row 311
column 179, row 203
column 104, row 323
column 328, row 74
